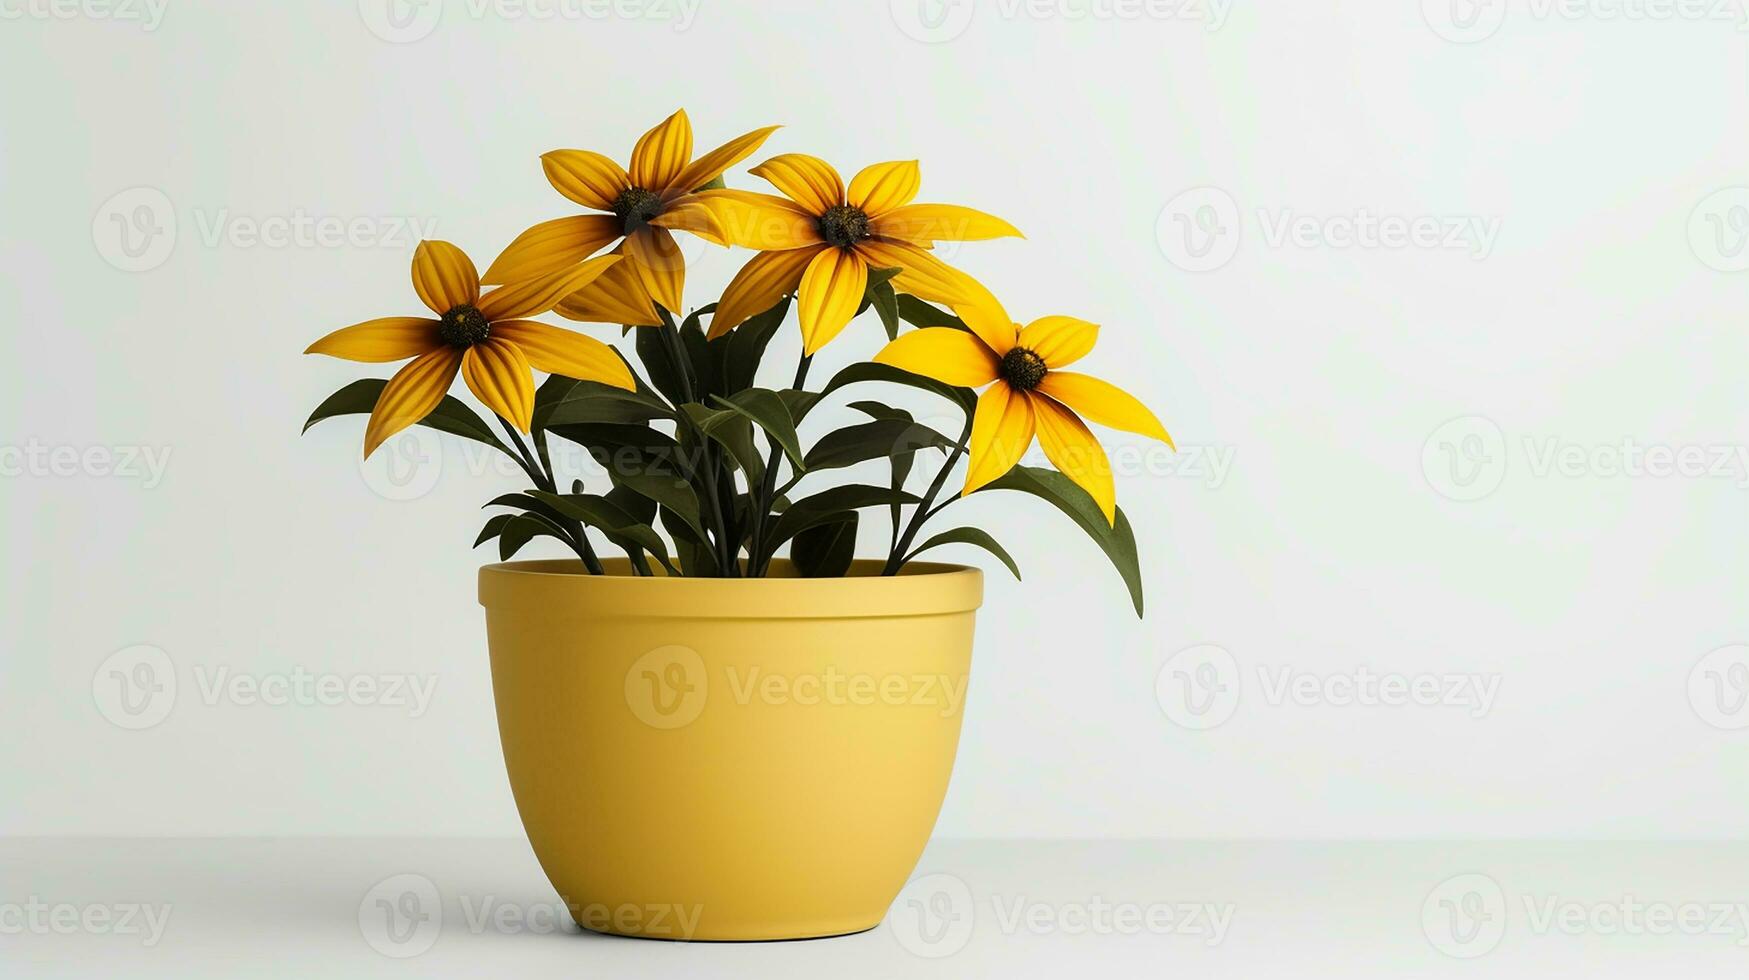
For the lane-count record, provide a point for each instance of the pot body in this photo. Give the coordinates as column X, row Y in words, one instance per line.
column 729, row 759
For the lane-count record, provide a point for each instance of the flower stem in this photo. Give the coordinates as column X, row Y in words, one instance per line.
column 925, row 508
column 767, row 496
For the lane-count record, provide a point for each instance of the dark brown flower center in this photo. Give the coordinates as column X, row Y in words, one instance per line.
column 463, row 326
column 635, row 207
column 1023, row 369
column 842, row 225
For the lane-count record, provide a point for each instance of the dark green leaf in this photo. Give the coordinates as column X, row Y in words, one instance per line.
column 450, row 415
column 887, row 306
column 611, row 519
column 493, row 528
column 826, row 550
column 971, row 536
column 920, row 314
column 828, row 505
column 592, row 401
column 866, row 371
column 1117, row 540
column 734, row 432
column 741, row 349
column 520, row 530
column 879, row 439
column 769, row 412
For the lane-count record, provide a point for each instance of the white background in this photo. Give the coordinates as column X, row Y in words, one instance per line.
column 1605, row 311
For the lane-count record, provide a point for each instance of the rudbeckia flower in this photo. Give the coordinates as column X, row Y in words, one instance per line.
column 823, row 239
column 1028, row 393
column 645, row 203
column 484, row 338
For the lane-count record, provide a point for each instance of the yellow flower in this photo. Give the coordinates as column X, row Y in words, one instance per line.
column 1028, row 394
column 656, row 195
column 485, row 338
column 824, row 238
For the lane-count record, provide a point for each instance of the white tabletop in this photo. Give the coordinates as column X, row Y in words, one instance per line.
column 349, row 907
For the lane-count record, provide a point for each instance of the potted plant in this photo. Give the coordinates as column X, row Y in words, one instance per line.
column 733, row 727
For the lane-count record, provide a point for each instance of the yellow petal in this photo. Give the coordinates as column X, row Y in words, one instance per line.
column 656, row 258
column 831, row 290
column 565, row 352
column 662, row 153
column 921, row 223
column 587, row 178
column 391, row 338
column 1059, row 340
column 923, row 275
column 882, row 187
column 984, row 314
column 760, row 221
column 411, row 394
column 444, row 277
column 808, row 181
column 498, row 374
column 1071, row 448
column 551, row 246
column 533, row 297
column 690, row 214
column 948, row 355
column 615, row 297
column 1104, row 403
column 1002, row 429
column 764, row 280
column 711, row 166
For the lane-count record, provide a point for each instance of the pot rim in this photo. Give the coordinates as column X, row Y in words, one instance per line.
column 920, row 589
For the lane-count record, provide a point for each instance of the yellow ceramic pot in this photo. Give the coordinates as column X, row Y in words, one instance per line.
column 729, row 759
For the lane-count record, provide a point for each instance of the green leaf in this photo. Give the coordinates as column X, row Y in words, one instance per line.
column 592, row 401
column 741, row 349
column 879, row 439
column 611, row 519
column 768, row 411
column 867, row 371
column 1117, row 540
column 826, row 550
column 829, row 505
column 493, row 528
column 920, row 314
column 691, row 548
column 886, row 305
column 520, row 530
column 971, row 536
column 450, row 415
column 734, row 432
column 714, row 184
column 642, row 460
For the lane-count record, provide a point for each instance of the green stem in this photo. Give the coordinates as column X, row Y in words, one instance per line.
column 767, row 496
column 541, row 473
column 725, row 545
column 925, row 510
